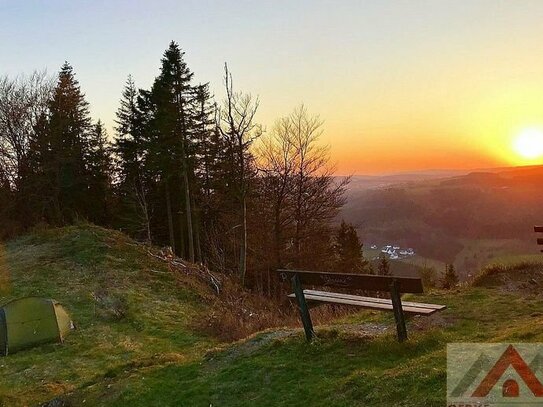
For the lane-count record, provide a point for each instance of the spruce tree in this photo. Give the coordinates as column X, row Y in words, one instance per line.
column 64, row 149
column 133, row 172
column 172, row 95
column 428, row 275
column 128, row 143
column 99, row 167
column 450, row 278
column 383, row 268
column 207, row 147
column 348, row 250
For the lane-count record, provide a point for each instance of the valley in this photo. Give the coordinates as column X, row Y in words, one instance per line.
column 470, row 220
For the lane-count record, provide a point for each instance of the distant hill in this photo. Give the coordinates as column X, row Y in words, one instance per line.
column 363, row 182
column 447, row 217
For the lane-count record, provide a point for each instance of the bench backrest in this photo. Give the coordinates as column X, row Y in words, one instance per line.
column 368, row 282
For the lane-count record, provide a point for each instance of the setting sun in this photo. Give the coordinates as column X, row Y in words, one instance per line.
column 529, row 143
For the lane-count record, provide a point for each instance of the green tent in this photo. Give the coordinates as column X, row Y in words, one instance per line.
column 31, row 321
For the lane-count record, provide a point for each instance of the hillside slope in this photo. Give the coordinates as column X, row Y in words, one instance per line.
column 136, row 343
column 130, row 311
column 470, row 220
column 345, row 367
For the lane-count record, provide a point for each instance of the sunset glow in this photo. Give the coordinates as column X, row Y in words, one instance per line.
column 400, row 86
column 529, row 144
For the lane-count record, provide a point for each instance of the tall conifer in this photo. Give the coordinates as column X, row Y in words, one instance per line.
column 172, row 94
column 64, row 149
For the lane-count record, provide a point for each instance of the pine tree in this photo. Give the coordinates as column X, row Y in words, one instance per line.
column 64, row 146
column 348, row 250
column 172, row 95
column 99, row 167
column 128, row 143
column 383, row 268
column 450, row 278
column 131, row 148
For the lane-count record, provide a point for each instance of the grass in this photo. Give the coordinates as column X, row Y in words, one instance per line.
column 407, row 266
column 338, row 369
column 479, row 253
column 75, row 266
column 475, row 255
column 152, row 357
column 424, row 262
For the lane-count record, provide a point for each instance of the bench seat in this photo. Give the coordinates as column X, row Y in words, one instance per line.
column 382, row 304
column 394, row 285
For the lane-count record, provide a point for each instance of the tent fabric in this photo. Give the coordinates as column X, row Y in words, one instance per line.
column 32, row 321
column 64, row 323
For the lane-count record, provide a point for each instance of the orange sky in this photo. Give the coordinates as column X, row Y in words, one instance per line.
column 400, row 84
column 462, row 120
column 447, row 86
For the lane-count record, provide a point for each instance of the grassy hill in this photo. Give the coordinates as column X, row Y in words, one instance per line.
column 130, row 312
column 350, row 365
column 136, row 343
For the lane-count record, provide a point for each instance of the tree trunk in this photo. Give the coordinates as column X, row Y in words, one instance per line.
column 277, row 238
column 197, row 236
column 170, row 216
column 243, row 249
column 182, row 248
column 188, row 209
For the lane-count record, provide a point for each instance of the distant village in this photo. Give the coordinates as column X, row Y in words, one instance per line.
column 394, row 252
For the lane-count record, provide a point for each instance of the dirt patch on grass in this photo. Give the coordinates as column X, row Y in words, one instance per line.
column 246, row 347
column 437, row 320
column 353, row 331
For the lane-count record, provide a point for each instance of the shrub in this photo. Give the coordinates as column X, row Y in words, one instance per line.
column 428, row 276
column 450, row 278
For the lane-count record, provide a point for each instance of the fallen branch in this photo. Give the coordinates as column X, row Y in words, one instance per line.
column 200, row 271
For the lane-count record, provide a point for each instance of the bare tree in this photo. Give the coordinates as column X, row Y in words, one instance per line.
column 300, row 186
column 238, row 128
column 23, row 101
column 276, row 158
column 318, row 196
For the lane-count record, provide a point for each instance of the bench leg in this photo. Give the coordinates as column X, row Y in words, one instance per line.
column 398, row 311
column 303, row 308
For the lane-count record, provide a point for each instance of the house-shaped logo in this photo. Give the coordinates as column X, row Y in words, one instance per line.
column 506, row 369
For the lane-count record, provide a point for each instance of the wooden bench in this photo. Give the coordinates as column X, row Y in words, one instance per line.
column 307, row 298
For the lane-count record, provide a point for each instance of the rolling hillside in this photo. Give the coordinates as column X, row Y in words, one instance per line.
column 137, row 344
column 130, row 312
column 469, row 220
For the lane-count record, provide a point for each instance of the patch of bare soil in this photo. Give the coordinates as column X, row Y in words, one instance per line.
column 246, row 347
column 437, row 320
column 361, row 331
